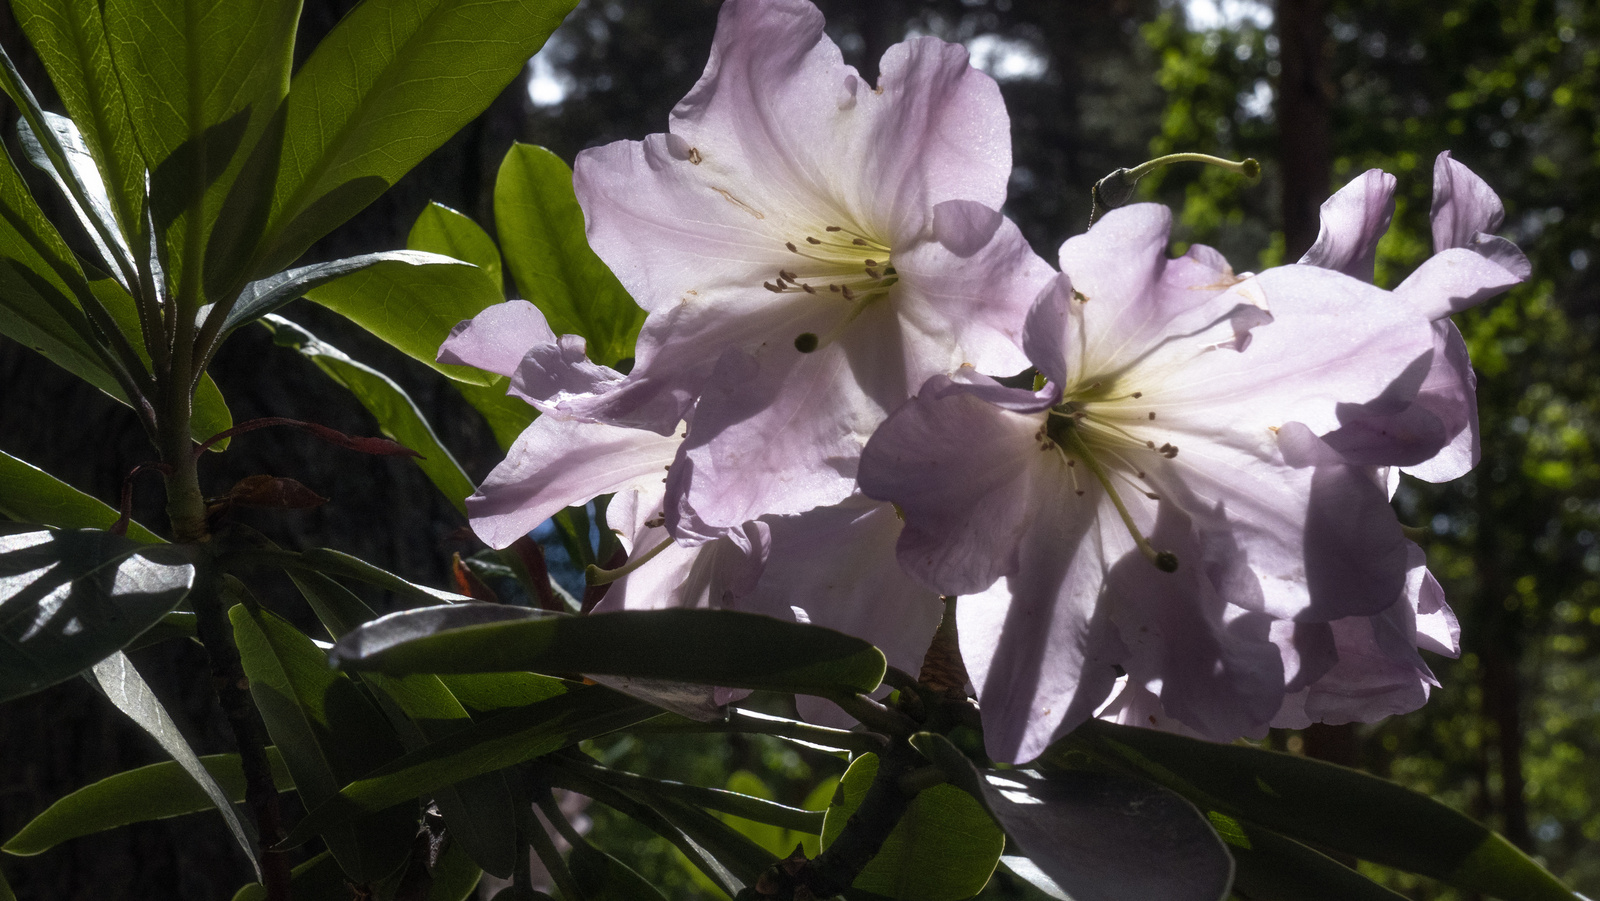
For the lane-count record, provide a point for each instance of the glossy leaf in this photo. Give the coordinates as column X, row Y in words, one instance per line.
column 388, row 403
column 80, row 183
column 69, row 599
column 1129, row 838
column 29, row 494
column 1333, row 807
column 943, row 849
column 505, row 740
column 487, row 692
column 442, row 230
column 384, row 89
column 717, row 647
column 153, row 792
column 336, row 563
column 329, row 734
column 129, row 693
column 271, row 293
column 601, row 877
column 202, row 80
column 414, row 308
column 69, row 37
column 541, row 227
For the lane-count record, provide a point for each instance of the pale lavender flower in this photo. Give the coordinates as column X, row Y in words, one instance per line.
column 1168, row 496
column 809, row 248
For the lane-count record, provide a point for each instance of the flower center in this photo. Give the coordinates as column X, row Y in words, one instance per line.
column 843, row 264
column 1092, row 425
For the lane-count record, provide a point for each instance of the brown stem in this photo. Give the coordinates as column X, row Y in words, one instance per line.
column 233, row 693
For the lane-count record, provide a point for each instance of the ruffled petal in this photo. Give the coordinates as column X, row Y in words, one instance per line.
column 967, row 476
column 496, row 339
column 1450, row 393
column 1456, row 279
column 1353, row 220
column 555, row 464
column 1464, row 206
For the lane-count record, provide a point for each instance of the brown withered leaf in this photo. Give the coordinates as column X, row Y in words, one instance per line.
column 273, row 492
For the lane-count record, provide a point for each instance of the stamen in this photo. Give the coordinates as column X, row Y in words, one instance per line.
column 792, row 248
column 1136, row 395
column 1166, row 561
column 594, row 575
column 776, row 289
column 811, row 240
column 860, row 242
column 835, row 228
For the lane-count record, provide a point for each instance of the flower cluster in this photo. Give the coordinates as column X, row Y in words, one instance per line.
column 1183, row 522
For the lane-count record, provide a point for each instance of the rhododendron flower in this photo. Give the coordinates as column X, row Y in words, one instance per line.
column 1168, row 497
column 833, row 566
column 809, row 248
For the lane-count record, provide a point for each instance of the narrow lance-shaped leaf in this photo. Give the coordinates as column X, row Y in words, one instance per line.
column 329, row 734
column 478, row 811
column 1333, row 807
column 505, row 740
column 128, row 691
column 153, row 792
column 397, row 415
column 267, row 295
column 384, row 89
column 541, row 226
column 717, row 647
column 70, row 38
column 69, row 599
column 441, row 230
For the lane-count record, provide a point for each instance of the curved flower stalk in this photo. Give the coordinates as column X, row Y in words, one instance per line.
column 809, row 248
column 1168, row 503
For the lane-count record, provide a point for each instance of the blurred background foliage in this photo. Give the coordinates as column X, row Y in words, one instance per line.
column 1317, row 90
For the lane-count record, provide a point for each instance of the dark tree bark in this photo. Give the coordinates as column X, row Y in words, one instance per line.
column 1304, row 109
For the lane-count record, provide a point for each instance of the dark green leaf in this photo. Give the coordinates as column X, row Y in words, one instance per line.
column 1130, row 837
column 336, row 563
column 389, row 85
column 127, row 690
column 202, row 79
column 69, row 599
column 541, row 228
column 745, row 798
column 29, row 494
column 505, row 740
column 397, row 415
column 41, row 286
column 153, row 792
column 486, row 692
column 716, row 647
column 318, row 879
column 1332, row 807
column 268, row 294
column 414, row 308
column 456, row 877
column 329, row 734
column 1274, row 868
column 70, row 38
column 943, row 849
column 444, row 231
column 479, row 811
column 601, row 877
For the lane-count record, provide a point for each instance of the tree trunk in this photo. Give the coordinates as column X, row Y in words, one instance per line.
column 1304, row 111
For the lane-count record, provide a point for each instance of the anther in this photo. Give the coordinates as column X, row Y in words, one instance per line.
column 1150, row 444
column 874, row 273
column 808, row 289
column 860, row 242
column 1169, row 451
column 851, row 295
column 784, row 273
column 806, row 342
column 835, row 228
column 834, row 288
column 1152, row 414
column 1138, row 394
column 792, row 248
column 811, row 240
column 771, row 287
column 870, row 262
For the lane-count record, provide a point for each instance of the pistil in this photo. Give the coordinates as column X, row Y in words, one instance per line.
column 1064, row 430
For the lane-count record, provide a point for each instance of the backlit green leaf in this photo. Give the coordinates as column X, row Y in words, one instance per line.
column 541, row 228
column 29, row 494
